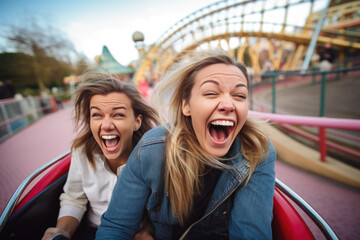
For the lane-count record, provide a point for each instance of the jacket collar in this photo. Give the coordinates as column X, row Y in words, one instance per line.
column 232, row 178
column 240, row 164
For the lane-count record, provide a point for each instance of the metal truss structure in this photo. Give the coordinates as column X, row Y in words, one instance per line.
column 255, row 32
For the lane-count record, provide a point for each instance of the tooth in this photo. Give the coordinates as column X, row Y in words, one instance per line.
column 109, row 137
column 222, row 123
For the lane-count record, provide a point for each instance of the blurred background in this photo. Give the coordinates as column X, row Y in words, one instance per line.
column 303, row 57
column 41, row 42
column 45, row 45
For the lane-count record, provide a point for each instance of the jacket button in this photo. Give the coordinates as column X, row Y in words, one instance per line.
column 224, row 212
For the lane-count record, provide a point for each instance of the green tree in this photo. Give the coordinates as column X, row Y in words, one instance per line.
column 17, row 67
column 50, row 50
column 81, row 65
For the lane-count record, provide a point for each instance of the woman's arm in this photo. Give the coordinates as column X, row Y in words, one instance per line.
column 65, row 226
column 124, row 214
column 73, row 202
column 251, row 215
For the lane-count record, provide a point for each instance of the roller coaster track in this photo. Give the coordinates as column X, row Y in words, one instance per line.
column 253, row 31
column 343, row 145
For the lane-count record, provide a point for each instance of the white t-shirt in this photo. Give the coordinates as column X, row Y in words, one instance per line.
column 84, row 184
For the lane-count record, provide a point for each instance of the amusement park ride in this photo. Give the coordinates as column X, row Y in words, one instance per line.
column 248, row 30
column 255, row 32
column 38, row 208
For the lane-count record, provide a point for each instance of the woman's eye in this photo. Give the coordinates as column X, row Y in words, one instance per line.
column 119, row 115
column 210, row 94
column 95, row 115
column 240, row 96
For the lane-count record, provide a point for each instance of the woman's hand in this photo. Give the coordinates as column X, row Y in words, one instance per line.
column 144, row 233
column 51, row 232
column 65, row 226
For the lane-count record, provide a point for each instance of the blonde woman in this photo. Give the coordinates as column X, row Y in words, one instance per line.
column 111, row 117
column 206, row 174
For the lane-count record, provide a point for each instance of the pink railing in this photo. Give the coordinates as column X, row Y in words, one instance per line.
column 314, row 138
column 321, row 122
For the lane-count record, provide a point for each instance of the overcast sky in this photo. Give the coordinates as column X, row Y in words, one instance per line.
column 91, row 24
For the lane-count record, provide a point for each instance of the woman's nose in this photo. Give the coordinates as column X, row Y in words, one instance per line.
column 226, row 105
column 107, row 124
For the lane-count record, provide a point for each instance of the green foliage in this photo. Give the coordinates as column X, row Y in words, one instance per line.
column 44, row 57
column 29, row 92
column 63, row 96
column 81, row 65
column 17, row 67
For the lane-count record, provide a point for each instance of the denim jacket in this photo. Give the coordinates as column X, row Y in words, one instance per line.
column 235, row 211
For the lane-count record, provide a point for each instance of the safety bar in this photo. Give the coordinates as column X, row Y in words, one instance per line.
column 317, row 219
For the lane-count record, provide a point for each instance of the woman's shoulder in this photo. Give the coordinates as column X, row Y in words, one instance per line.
column 78, row 152
column 149, row 154
column 151, row 145
column 78, row 155
column 154, row 135
column 271, row 150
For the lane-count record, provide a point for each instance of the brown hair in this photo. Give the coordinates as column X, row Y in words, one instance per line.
column 101, row 84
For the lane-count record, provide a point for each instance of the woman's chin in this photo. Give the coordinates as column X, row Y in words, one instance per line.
column 218, row 150
column 111, row 154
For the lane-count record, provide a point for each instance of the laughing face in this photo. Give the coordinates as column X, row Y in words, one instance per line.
column 218, row 107
column 112, row 123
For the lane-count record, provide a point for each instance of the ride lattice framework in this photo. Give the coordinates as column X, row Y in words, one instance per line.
column 273, row 32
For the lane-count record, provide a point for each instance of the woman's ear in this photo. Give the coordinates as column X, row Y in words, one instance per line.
column 186, row 108
column 138, row 121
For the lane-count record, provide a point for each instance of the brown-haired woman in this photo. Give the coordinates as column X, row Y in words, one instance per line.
column 111, row 117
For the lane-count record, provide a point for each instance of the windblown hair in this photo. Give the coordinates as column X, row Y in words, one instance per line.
column 102, row 84
column 185, row 158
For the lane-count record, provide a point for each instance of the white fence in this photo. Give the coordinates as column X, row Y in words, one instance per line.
column 15, row 114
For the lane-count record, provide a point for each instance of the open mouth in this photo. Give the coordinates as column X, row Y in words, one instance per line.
column 110, row 141
column 220, row 130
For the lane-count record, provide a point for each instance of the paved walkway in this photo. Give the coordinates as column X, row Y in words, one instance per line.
column 31, row 147
column 51, row 135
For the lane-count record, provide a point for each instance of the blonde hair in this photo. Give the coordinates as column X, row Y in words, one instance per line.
column 185, row 159
column 103, row 84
